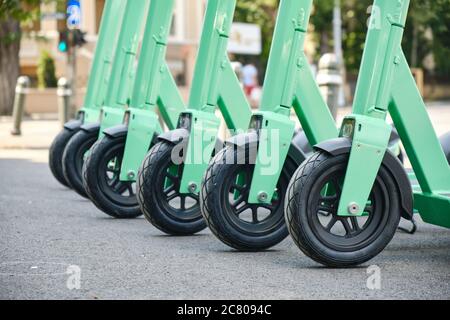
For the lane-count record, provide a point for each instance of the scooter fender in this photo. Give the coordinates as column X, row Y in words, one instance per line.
column 73, row 125
column 116, row 131
column 299, row 151
column 175, row 136
column 182, row 135
column 340, row 146
column 250, row 139
column 91, row 127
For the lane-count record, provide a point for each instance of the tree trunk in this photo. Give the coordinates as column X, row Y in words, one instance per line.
column 9, row 63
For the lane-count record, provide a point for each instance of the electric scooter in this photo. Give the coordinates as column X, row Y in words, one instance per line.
column 169, row 179
column 242, row 200
column 110, row 170
column 172, row 206
column 98, row 81
column 116, row 98
column 344, row 203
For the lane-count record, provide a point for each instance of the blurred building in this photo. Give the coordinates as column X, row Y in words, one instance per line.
column 44, row 35
column 181, row 54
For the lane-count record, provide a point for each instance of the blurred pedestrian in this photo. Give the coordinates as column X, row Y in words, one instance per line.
column 250, row 78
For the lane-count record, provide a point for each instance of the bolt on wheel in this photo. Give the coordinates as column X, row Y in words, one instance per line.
column 230, row 216
column 159, row 196
column 101, row 177
column 312, row 216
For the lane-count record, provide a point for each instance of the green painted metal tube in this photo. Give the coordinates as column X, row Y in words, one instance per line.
column 289, row 83
column 386, row 84
column 372, row 99
column 123, row 72
column 121, row 80
column 212, row 52
column 170, row 102
column 387, row 17
column 416, row 130
column 102, row 63
column 154, row 86
column 287, row 47
column 232, row 101
column 214, row 85
column 311, row 108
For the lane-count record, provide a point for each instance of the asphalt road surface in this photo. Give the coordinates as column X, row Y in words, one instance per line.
column 51, row 241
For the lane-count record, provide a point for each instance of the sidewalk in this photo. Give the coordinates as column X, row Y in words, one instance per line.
column 33, row 144
column 37, row 135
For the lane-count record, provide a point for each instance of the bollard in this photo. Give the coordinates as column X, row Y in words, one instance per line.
column 329, row 79
column 23, row 83
column 64, row 93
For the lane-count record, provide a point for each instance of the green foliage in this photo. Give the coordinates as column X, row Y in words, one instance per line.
column 22, row 10
column 46, row 71
column 354, row 18
column 262, row 13
column 321, row 18
column 438, row 20
column 424, row 15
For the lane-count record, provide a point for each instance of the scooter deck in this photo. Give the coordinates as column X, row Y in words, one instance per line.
column 424, row 203
column 429, row 204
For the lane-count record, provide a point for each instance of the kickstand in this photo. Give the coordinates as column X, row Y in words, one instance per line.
column 413, row 229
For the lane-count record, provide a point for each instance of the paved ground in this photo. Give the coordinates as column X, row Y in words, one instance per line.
column 47, row 231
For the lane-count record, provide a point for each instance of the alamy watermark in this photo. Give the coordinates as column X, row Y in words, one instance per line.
column 263, row 147
column 74, row 279
column 69, row 274
column 374, row 278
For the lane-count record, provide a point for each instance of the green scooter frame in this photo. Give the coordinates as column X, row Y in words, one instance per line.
column 117, row 95
column 121, row 151
column 98, row 81
column 372, row 188
column 267, row 156
column 169, row 179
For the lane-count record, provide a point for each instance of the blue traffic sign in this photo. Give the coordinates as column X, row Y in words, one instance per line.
column 73, row 14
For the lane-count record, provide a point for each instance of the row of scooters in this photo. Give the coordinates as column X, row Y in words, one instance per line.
column 135, row 148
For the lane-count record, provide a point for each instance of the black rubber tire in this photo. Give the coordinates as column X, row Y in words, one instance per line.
column 56, row 154
column 309, row 235
column 96, row 182
column 73, row 159
column 157, row 208
column 241, row 234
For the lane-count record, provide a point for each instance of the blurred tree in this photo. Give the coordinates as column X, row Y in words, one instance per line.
column 12, row 14
column 262, row 13
column 321, row 25
column 438, row 23
column 427, row 32
column 46, row 71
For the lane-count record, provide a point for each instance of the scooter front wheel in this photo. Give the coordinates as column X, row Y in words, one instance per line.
column 161, row 202
column 311, row 213
column 56, row 154
column 101, row 178
column 74, row 157
column 224, row 203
